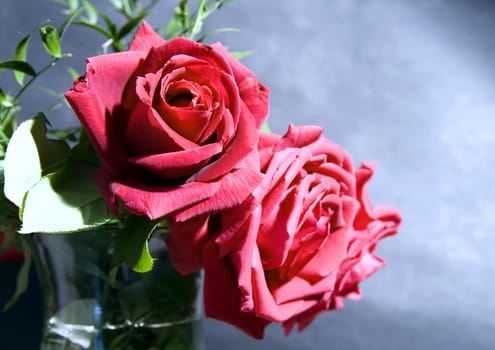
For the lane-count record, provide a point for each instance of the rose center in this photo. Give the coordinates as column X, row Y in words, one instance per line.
column 181, row 98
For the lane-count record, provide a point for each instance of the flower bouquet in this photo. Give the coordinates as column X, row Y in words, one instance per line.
column 174, row 193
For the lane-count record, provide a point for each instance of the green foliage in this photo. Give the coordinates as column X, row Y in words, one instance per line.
column 52, row 185
column 18, row 66
column 5, row 100
column 190, row 26
column 91, row 12
column 73, row 4
column 73, row 73
column 29, row 157
column 91, row 17
column 10, row 102
column 241, row 54
column 20, row 56
column 64, row 201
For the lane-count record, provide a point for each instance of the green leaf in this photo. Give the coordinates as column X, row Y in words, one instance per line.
column 75, row 12
column 135, row 300
column 117, row 4
column 64, row 201
column 91, row 12
column 199, row 19
column 241, row 54
column 73, row 73
column 5, row 100
column 22, row 277
column 112, row 277
column 127, row 7
column 19, row 66
column 73, row 4
column 180, row 23
column 84, row 151
column 48, row 91
column 51, row 42
column 204, row 9
column 9, row 108
column 20, row 55
column 42, row 117
column 68, row 134
column 95, row 28
column 131, row 244
column 129, row 26
column 112, row 27
column 216, row 31
column 30, row 155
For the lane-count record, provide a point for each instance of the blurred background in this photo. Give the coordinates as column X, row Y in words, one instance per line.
column 409, row 84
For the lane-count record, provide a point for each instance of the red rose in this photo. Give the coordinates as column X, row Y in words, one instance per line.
column 302, row 240
column 173, row 122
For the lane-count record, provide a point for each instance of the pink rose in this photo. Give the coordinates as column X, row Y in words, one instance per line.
column 173, row 123
column 303, row 240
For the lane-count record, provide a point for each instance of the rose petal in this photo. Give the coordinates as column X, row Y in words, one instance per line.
column 185, row 243
column 145, row 38
column 232, row 189
column 254, row 94
column 367, row 265
column 298, row 137
column 264, row 304
column 108, row 75
column 158, row 202
column 177, row 164
column 305, row 318
column 298, row 288
column 157, row 56
column 367, row 213
column 103, row 181
column 222, row 297
column 275, row 240
column 91, row 112
column 243, row 259
column 243, row 143
column 232, row 220
column 328, row 258
column 265, row 147
column 159, row 137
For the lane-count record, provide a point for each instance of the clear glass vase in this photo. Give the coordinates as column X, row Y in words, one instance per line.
column 88, row 304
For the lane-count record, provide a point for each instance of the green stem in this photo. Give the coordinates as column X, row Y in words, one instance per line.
column 33, row 78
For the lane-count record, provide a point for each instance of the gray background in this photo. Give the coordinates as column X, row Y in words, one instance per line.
column 410, row 84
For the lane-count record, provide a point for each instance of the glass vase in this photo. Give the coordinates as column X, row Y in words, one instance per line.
column 90, row 304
